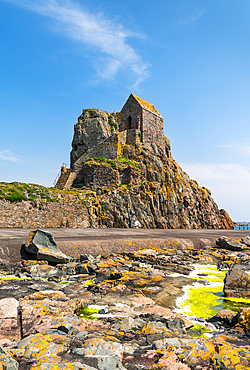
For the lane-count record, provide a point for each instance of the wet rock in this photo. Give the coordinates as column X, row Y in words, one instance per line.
column 42, row 244
column 81, row 269
column 225, row 317
column 229, row 244
column 237, row 283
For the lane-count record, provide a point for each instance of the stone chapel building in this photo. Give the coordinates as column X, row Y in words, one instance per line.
column 137, row 122
column 139, row 114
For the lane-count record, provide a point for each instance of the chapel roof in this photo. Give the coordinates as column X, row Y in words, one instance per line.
column 147, row 105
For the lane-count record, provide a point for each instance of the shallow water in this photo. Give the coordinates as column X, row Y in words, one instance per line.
column 205, row 298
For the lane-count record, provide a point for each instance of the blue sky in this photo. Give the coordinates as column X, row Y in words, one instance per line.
column 191, row 59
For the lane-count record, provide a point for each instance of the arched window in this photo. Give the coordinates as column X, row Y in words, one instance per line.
column 129, row 123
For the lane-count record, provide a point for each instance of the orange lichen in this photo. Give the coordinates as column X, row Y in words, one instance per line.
column 147, row 105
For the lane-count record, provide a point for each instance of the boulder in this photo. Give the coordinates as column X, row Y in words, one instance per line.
column 229, row 244
column 226, row 317
column 237, row 283
column 42, row 244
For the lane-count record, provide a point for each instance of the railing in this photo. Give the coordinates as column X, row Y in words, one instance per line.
column 242, row 226
column 64, row 165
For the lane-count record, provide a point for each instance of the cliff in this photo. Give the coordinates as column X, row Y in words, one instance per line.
column 137, row 184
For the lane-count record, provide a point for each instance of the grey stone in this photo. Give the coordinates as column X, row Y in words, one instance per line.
column 110, row 363
column 25, row 341
column 82, row 334
column 42, row 244
column 92, row 128
column 237, row 283
column 159, row 344
column 82, row 269
column 6, row 361
column 246, row 240
column 229, row 244
column 79, row 351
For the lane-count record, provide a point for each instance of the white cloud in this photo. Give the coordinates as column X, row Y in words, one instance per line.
column 229, row 184
column 191, row 18
column 6, row 155
column 242, row 150
column 228, row 172
column 94, row 30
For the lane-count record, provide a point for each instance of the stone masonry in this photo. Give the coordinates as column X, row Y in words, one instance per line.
column 139, row 114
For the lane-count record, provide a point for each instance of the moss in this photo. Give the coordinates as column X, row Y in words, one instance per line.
column 111, row 122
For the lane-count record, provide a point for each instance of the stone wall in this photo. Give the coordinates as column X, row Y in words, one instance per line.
column 95, row 175
column 39, row 214
column 131, row 109
column 133, row 137
column 152, row 128
column 111, row 148
column 150, row 124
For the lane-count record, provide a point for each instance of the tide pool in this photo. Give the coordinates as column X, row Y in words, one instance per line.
column 205, row 298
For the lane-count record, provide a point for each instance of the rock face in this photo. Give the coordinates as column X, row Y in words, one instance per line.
column 92, row 128
column 43, row 246
column 237, row 283
column 142, row 186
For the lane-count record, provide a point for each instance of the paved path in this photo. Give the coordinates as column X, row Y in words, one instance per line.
column 96, row 241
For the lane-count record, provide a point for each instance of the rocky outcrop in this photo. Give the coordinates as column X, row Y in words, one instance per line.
column 108, row 312
column 93, row 127
column 143, row 186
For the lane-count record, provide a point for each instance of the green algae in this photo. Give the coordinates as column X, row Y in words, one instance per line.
column 202, row 301
column 199, row 331
column 11, row 278
column 88, row 282
column 88, row 313
column 206, row 300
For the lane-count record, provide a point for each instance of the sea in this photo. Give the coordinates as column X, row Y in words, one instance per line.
column 241, row 225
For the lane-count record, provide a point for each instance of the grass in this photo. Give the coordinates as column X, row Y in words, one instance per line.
column 17, row 192
column 111, row 122
column 114, row 163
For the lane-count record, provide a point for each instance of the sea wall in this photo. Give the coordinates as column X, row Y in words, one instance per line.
column 41, row 214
